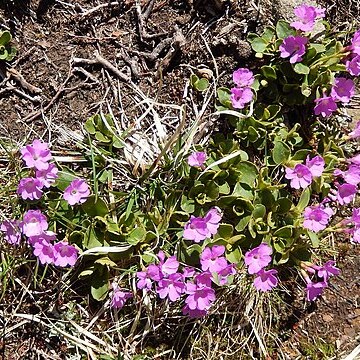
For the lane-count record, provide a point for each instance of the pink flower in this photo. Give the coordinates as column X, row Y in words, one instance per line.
column 77, row 192
column 257, row 258
column 352, row 175
column 316, row 165
column 197, row 158
column 34, row 223
column 345, row 193
column 199, row 298
column 11, row 228
column 300, row 176
column 343, row 89
column 195, row 313
column 30, row 188
column 355, row 43
column 307, row 16
column 47, row 176
column 211, row 259
column 170, row 266
column 243, row 77
column 171, row 287
column 355, row 134
column 119, row 297
column 328, row 270
column 45, row 235
column 240, row 97
column 353, row 65
column 198, row 228
column 313, row 290
column 266, row 280
column 325, row 106
column 65, row 254
column 316, row 218
column 223, row 275
column 44, row 251
column 36, row 155
column 293, row 47
column 355, row 232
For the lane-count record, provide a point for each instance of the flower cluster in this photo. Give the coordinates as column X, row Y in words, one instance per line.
column 306, row 17
column 37, row 156
column 315, row 288
column 201, row 228
column 197, row 285
column 342, row 90
column 118, row 297
column 301, row 175
column 34, row 225
column 242, row 93
column 353, row 59
column 256, row 260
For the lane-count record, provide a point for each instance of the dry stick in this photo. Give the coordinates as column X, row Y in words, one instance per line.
column 20, row 79
column 35, row 114
column 96, row 8
column 99, row 60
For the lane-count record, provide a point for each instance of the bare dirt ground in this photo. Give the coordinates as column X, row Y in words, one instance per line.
column 77, row 57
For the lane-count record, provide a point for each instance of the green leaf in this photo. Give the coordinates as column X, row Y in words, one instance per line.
column 284, row 204
column 242, row 224
column 193, row 79
column 284, row 232
column 281, row 152
column 268, row 34
column 91, row 239
column 283, row 29
column 268, row 72
column 234, row 256
column 105, row 261
column 314, row 239
column 202, row 84
column 64, row 180
column 300, row 68
column 225, row 231
column 95, row 207
column 99, row 283
column 5, row 38
column 304, row 200
column 259, row 45
column 187, row 205
column 223, row 95
column 249, row 172
column 137, row 235
column 259, row 211
column 89, row 126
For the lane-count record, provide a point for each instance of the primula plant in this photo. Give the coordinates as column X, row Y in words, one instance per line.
column 259, row 198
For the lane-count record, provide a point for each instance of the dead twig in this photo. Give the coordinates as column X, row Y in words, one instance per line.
column 99, row 60
column 25, row 85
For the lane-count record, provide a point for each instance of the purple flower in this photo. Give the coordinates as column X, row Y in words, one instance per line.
column 353, row 65
column 11, row 228
column 355, row 43
column 47, row 176
column 44, row 251
column 189, row 272
column 316, row 218
column 293, row 47
column 356, row 132
column 355, row 217
column 144, row 280
column 119, row 297
column 45, row 235
column 198, row 228
column 345, row 193
column 170, row 266
column 343, row 89
column 355, row 235
column 197, row 158
column 328, row 270
column 154, row 272
column 355, row 160
column 171, row 287
column 65, row 254
column 223, row 275
column 34, row 223
column 316, row 165
column 195, row 313
column 211, row 259
column 266, row 280
column 240, row 97
column 203, row 279
column 325, row 106
column 243, row 77
column 36, row 155
column 307, row 15
column 257, row 258
column 352, row 175
column 77, row 192
column 313, row 290
column 300, row 176
column 30, row 188
column 199, row 298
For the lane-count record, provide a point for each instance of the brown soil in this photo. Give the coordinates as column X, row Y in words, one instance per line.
column 176, row 38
